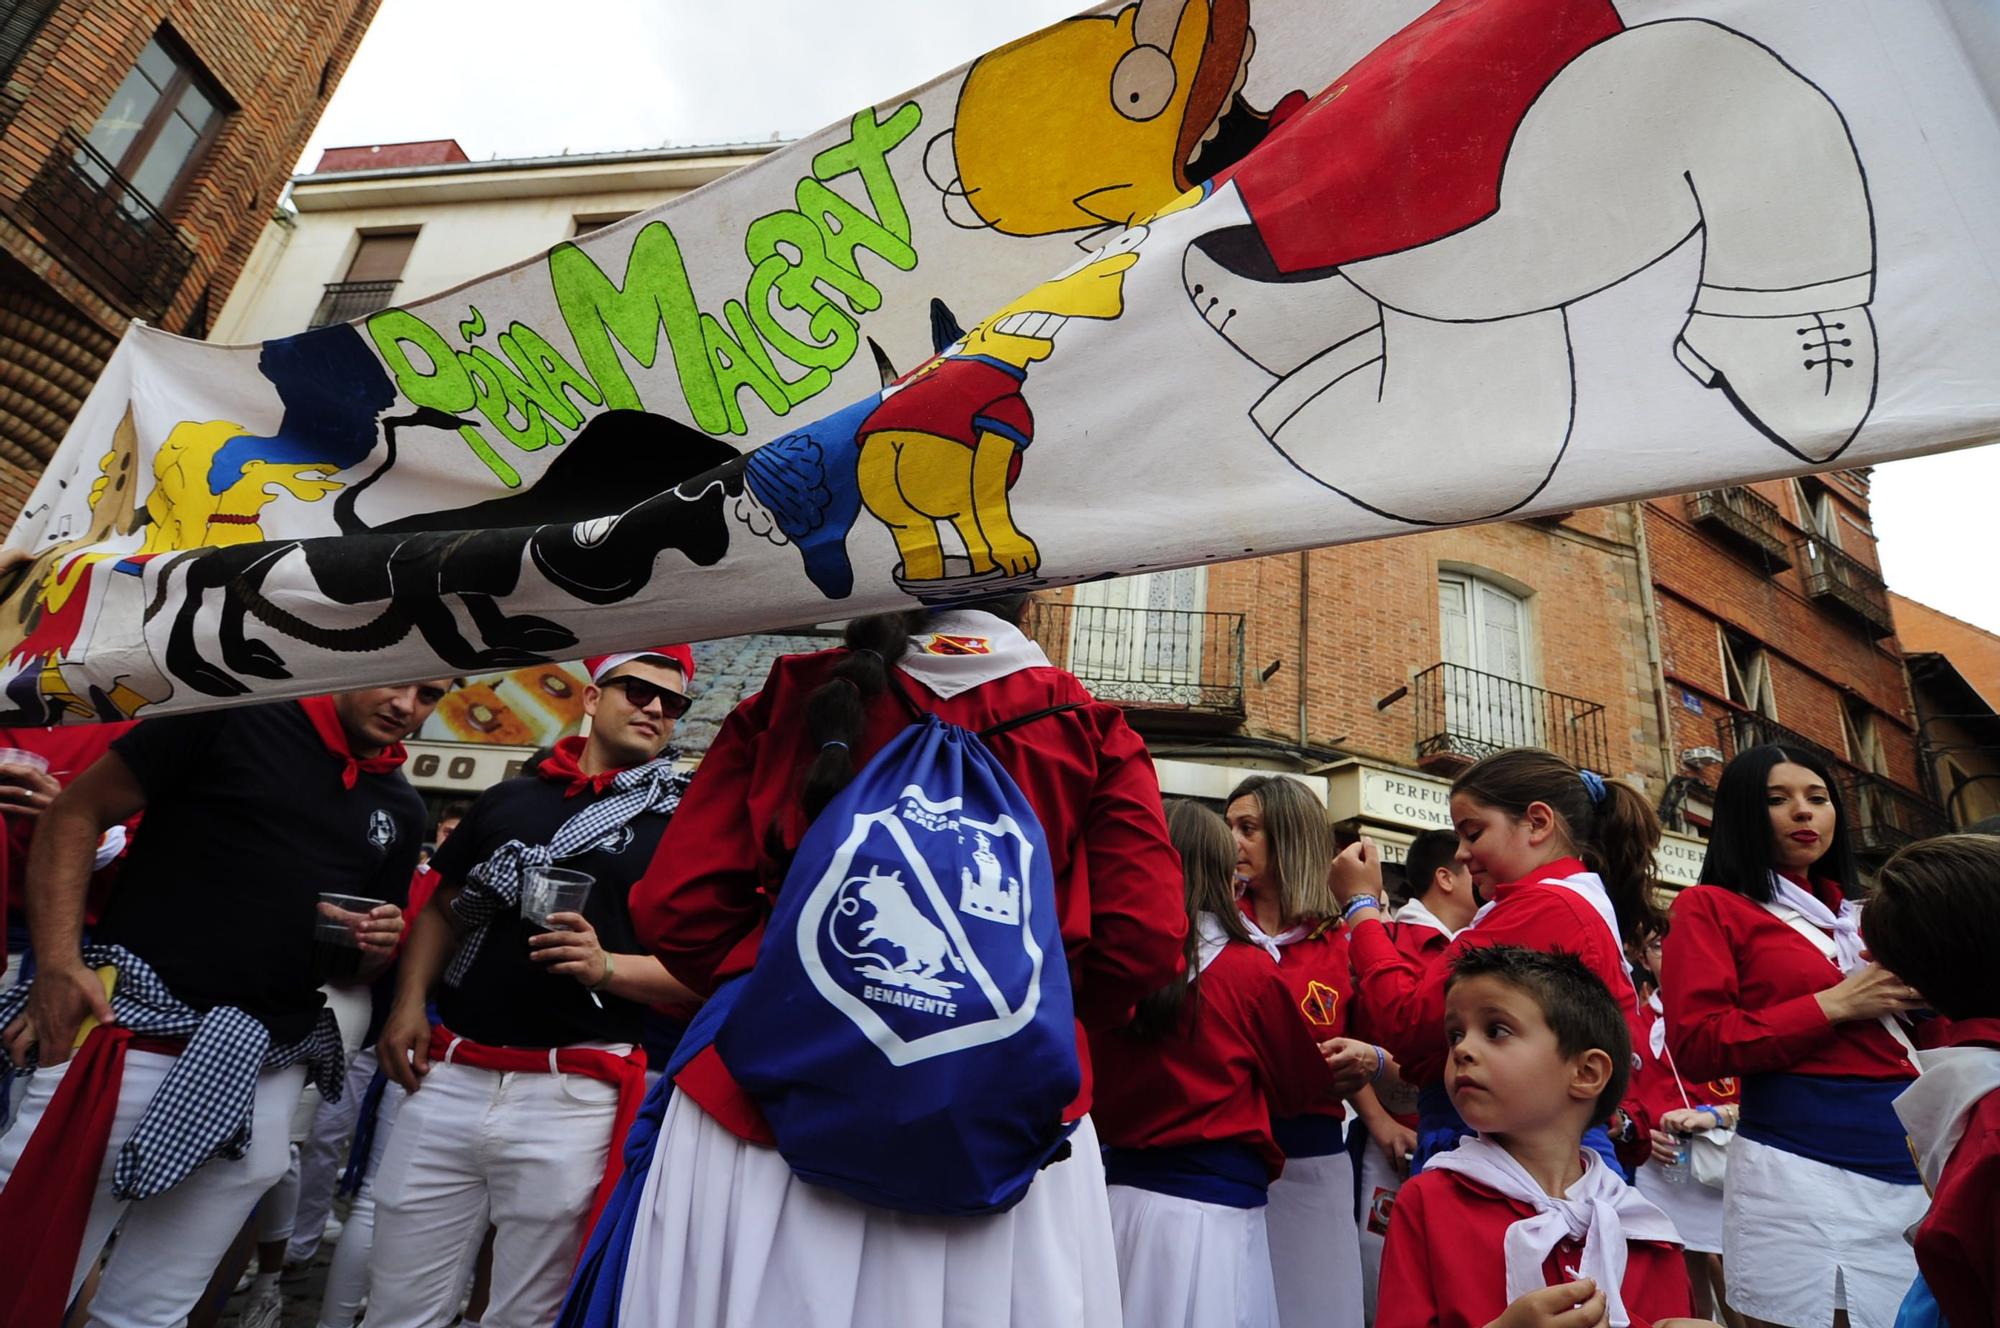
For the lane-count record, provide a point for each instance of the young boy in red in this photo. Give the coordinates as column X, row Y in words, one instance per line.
column 1524, row 1227
column 1934, row 921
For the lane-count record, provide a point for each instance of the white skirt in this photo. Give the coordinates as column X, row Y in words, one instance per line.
column 1315, row 1253
column 1379, row 1187
column 1187, row 1264
column 1695, row 1209
column 1801, row 1238
column 727, row 1237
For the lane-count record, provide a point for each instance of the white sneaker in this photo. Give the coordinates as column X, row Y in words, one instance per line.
column 330, row 1233
column 1806, row 381
column 264, row 1309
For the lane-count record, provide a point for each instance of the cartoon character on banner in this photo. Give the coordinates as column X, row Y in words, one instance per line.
column 937, row 452
column 1412, row 303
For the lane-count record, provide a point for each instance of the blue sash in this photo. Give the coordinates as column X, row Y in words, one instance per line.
column 1310, row 1135
column 1219, row 1173
column 1843, row 1122
column 1440, row 1127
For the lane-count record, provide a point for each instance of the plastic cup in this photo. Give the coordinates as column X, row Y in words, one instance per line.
column 21, row 756
column 337, row 953
column 549, row 890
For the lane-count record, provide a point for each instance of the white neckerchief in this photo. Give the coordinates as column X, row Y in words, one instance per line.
column 1415, row 914
column 1656, row 1036
column 1589, row 887
column 1936, row 1107
column 1269, row 944
column 1212, row 939
column 1837, row 936
column 1600, row 1209
column 960, row 649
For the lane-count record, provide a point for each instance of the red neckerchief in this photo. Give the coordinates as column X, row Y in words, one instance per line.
column 562, row 766
column 326, row 722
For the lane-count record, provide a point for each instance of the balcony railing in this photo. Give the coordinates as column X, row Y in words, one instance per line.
column 1745, row 520
column 1463, row 714
column 1835, row 578
column 111, row 234
column 345, row 301
column 1153, row 659
column 1882, row 816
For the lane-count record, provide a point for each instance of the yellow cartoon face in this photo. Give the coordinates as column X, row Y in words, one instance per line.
column 1023, row 330
column 1099, row 120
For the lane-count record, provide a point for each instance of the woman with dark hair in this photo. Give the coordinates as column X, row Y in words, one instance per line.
column 1283, row 848
column 1764, row 978
column 1185, row 1100
column 1565, row 859
column 724, row 1232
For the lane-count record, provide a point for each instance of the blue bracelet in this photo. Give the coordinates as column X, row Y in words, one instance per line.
column 1381, row 1064
column 1358, row 903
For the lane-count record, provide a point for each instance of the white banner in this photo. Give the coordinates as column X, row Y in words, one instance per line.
column 1325, row 273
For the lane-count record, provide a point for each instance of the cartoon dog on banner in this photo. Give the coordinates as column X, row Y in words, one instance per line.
column 938, row 450
column 1407, row 303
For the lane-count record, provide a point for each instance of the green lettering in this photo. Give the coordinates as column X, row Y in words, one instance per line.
column 867, row 150
column 444, row 385
column 796, row 392
column 535, row 358
column 501, row 393
column 797, row 281
column 845, row 228
column 492, row 459
column 656, row 294
column 735, row 369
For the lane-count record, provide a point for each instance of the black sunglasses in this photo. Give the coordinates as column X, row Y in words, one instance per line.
column 640, row 694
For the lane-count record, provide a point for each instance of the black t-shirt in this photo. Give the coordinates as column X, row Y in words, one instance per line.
column 246, row 824
column 507, row 999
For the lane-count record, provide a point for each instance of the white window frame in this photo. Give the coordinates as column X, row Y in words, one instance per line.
column 1753, row 691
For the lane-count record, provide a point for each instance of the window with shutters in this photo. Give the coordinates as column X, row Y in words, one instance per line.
column 158, row 123
column 596, row 221
column 372, row 276
column 1483, row 633
column 1746, row 674
column 1819, row 514
column 1140, row 638
column 1864, row 742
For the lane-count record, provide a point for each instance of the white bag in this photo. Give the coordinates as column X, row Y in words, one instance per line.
column 1708, row 1155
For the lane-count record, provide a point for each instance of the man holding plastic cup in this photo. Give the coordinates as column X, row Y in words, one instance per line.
column 198, row 993
column 520, row 1094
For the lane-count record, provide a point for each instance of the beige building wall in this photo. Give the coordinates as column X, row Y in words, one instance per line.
column 471, row 218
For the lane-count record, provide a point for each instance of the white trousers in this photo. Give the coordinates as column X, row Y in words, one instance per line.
column 323, row 1156
column 169, row 1244
column 1187, row 1264
column 1315, row 1254
column 522, row 1151
column 347, row 1276
column 727, row 1237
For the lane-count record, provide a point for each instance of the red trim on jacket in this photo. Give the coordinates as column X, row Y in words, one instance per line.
column 1958, row 1243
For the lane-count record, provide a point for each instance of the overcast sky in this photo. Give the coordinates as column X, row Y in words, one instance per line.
column 510, row 78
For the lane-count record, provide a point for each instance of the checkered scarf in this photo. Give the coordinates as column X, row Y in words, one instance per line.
column 493, row 888
column 204, row 1106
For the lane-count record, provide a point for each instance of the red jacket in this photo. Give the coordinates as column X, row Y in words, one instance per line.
column 1443, row 1264
column 1241, row 1058
column 703, row 903
column 1319, row 982
column 1405, row 996
column 1660, row 1090
column 70, row 751
column 1958, row 1243
column 1739, row 987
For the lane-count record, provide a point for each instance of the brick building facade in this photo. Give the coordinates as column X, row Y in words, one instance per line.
column 143, row 145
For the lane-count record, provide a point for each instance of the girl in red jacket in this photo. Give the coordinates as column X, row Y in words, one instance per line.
column 1565, row 859
column 724, row 1232
column 1283, row 848
column 1764, row 978
column 1185, row 1097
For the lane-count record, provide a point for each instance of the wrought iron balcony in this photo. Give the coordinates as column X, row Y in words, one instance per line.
column 1158, row 660
column 1833, row 577
column 345, row 301
column 106, row 229
column 1882, row 816
column 1744, row 520
column 1463, row 714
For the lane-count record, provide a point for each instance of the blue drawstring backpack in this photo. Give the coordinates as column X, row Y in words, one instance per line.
column 908, row 1029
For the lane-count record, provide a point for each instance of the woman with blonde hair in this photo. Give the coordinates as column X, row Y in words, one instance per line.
column 1284, row 848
